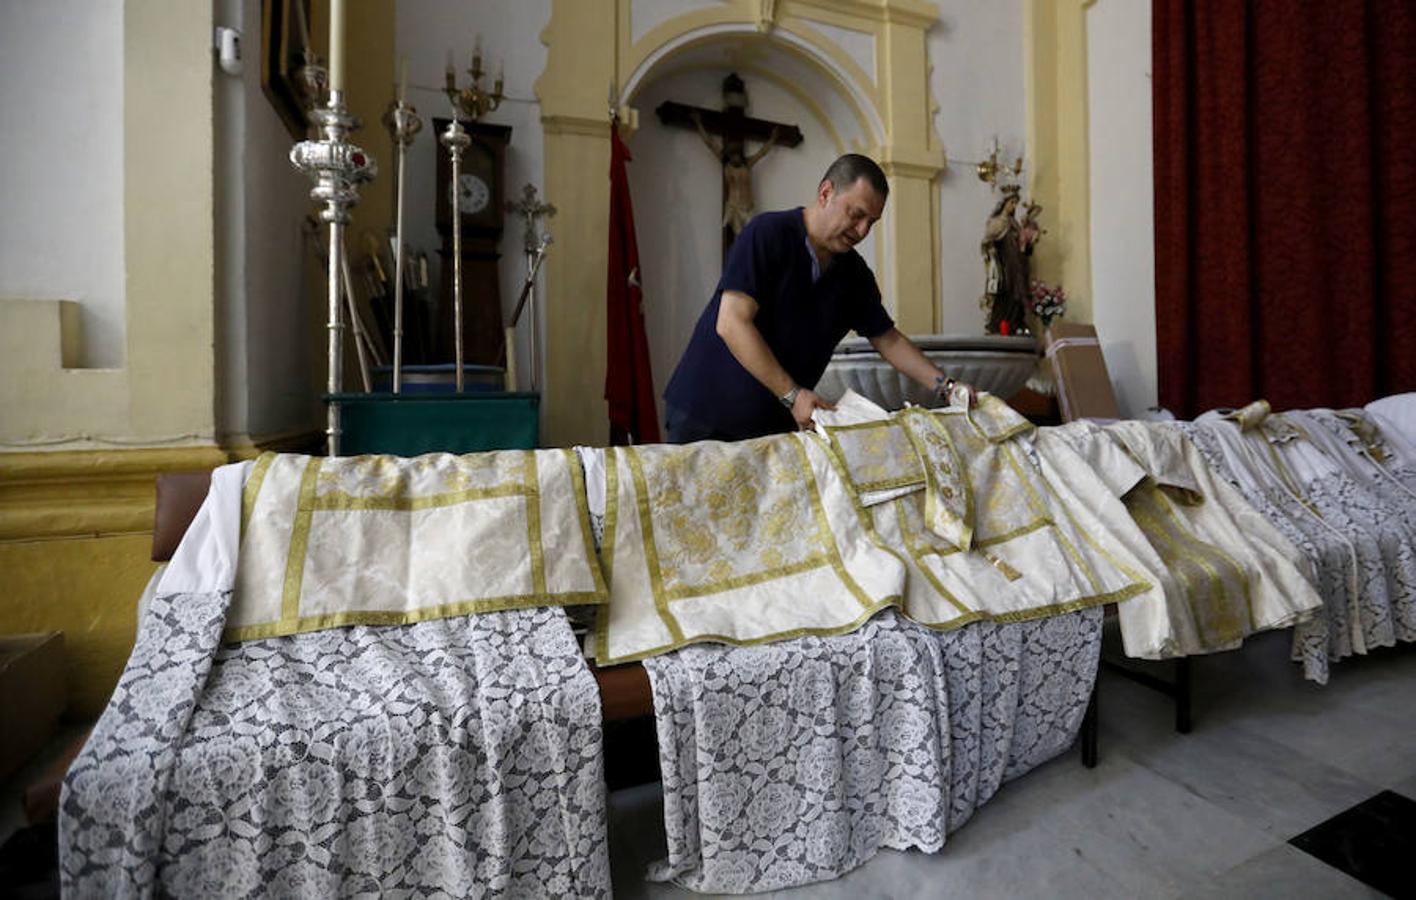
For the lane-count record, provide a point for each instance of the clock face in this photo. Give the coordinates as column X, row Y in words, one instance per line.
column 473, row 195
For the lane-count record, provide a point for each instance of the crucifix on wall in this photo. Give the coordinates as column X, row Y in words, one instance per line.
column 726, row 132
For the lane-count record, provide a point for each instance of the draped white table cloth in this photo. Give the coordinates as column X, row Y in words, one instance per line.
column 460, row 756
column 794, row 762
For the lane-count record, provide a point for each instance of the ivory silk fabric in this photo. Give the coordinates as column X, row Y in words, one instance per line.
column 380, row 540
column 991, row 537
column 1354, row 440
column 742, row 542
column 1396, row 415
column 1226, row 572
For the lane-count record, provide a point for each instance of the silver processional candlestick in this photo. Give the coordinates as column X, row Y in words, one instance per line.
column 403, row 125
column 337, row 167
column 456, row 139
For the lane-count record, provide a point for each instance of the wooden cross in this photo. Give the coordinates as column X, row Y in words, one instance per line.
column 736, row 128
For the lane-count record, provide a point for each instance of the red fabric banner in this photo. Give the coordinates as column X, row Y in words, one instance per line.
column 629, row 384
column 1284, row 182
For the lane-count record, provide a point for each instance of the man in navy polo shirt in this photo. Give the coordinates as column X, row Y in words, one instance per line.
column 792, row 287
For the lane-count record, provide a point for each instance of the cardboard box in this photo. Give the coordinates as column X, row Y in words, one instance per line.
column 1083, row 384
column 32, row 695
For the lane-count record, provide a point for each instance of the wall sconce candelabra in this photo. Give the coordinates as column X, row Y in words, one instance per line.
column 474, row 101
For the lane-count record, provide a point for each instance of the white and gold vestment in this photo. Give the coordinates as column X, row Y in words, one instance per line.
column 382, row 540
column 1226, row 572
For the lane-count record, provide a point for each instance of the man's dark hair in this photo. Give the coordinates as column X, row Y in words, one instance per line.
column 852, row 167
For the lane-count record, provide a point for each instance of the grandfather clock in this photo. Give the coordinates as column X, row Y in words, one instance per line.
column 481, row 204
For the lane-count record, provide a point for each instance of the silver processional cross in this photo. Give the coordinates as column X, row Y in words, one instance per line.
column 534, row 243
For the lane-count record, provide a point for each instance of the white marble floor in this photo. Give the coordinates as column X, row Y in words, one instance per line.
column 1206, row 814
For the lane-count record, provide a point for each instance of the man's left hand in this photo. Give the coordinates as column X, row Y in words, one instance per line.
column 948, row 396
column 806, row 404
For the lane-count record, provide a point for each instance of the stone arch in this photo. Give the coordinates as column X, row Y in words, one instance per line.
column 593, row 53
column 791, row 44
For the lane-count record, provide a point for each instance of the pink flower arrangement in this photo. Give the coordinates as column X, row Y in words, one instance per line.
column 1047, row 302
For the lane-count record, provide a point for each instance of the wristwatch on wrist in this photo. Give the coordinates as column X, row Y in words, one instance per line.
column 789, row 398
column 944, row 385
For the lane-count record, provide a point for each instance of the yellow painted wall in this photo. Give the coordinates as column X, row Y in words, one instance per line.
column 168, row 256
column 86, row 588
column 1055, row 51
column 75, row 525
column 75, row 541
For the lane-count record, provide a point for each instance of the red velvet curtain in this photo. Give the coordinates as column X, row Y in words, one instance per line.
column 1285, row 188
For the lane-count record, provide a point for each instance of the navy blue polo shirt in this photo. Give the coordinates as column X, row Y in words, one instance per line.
column 801, row 318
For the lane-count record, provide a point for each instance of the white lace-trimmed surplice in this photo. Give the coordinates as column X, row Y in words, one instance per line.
column 735, row 542
column 381, row 540
column 1226, row 571
column 1356, row 442
column 1366, row 556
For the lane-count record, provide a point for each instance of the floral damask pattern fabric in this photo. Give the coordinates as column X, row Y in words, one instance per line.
column 723, row 512
column 457, row 757
column 795, row 762
column 383, row 540
column 736, row 542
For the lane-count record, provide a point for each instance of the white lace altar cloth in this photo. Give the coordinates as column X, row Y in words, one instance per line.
column 460, row 756
column 795, row 762
column 383, row 540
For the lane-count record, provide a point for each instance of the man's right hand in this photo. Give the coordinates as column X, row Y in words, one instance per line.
column 807, row 403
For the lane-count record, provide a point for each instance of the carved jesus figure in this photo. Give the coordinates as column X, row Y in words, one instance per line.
column 738, row 205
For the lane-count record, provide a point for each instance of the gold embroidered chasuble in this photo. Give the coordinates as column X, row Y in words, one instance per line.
column 736, row 542
column 990, row 538
column 381, row 540
column 772, row 538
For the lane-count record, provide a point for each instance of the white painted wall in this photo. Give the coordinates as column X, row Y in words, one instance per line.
column 61, row 226
column 1122, row 197
column 976, row 57
column 266, row 362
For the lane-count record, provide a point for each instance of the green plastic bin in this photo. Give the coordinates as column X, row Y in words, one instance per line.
column 410, row 424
